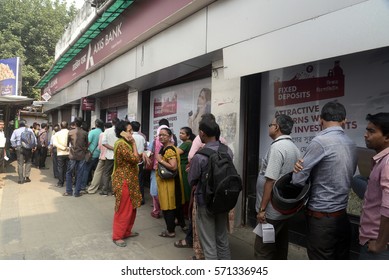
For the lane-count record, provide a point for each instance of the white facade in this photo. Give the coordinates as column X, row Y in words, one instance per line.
column 237, row 38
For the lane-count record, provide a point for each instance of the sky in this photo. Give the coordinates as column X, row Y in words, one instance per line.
column 78, row 3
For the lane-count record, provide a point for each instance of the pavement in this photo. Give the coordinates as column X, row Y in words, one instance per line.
column 38, row 223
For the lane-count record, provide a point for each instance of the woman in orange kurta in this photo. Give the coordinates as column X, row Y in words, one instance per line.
column 125, row 184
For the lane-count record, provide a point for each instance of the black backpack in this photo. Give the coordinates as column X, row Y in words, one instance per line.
column 28, row 139
column 220, row 183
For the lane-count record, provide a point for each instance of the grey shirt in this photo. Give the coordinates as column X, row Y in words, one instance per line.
column 279, row 160
column 329, row 163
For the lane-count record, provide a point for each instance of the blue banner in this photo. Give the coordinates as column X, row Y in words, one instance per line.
column 9, row 76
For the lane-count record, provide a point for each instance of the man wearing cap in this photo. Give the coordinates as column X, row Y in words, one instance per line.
column 279, row 160
column 374, row 224
column 329, row 164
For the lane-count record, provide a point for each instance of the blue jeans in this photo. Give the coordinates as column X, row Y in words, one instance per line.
column 78, row 166
column 88, row 166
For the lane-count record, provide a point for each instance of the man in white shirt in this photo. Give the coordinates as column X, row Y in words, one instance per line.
column 60, row 141
column 2, row 145
column 140, row 141
column 109, row 139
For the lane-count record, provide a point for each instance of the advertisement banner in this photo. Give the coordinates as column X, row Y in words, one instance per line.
column 357, row 81
column 112, row 113
column 9, row 76
column 311, row 89
column 88, row 104
column 182, row 105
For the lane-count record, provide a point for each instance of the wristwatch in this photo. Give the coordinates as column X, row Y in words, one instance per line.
column 261, row 210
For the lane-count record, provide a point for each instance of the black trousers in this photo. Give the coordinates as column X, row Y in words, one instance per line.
column 277, row 250
column 62, row 162
column 2, row 162
column 329, row 238
column 106, row 179
column 42, row 157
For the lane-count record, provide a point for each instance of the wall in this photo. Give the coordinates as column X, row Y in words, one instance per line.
column 226, row 108
column 322, row 35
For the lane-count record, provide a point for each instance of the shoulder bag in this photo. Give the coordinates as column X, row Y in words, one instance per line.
column 88, row 155
column 165, row 173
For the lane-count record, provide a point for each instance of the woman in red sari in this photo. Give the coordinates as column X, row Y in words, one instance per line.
column 125, row 184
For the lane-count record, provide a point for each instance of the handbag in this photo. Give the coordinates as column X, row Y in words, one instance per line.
column 149, row 165
column 88, row 155
column 165, row 173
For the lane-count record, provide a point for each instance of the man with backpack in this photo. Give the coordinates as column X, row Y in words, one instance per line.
column 211, row 218
column 24, row 141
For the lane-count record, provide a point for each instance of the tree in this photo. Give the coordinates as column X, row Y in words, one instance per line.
column 30, row 29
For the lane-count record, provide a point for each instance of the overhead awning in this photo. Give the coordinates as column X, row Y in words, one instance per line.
column 15, row 100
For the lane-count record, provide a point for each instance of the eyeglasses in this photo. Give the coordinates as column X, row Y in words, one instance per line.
column 163, row 135
column 271, row 124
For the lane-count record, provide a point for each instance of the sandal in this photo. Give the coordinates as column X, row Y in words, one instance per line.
column 120, row 243
column 156, row 216
column 133, row 234
column 182, row 244
column 184, row 228
column 166, row 234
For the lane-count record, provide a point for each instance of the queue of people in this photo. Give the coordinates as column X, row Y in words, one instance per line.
column 328, row 166
column 121, row 163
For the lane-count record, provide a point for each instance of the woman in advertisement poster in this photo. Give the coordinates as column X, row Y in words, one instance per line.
column 170, row 191
column 125, row 184
column 203, row 107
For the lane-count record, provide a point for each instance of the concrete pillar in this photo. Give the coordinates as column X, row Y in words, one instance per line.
column 74, row 112
column 134, row 105
column 226, row 108
column 59, row 113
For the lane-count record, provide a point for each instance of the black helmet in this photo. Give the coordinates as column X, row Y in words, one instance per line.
column 288, row 198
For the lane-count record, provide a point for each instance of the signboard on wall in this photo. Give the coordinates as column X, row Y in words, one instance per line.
column 88, row 104
column 111, row 113
column 9, row 76
column 116, row 36
column 358, row 81
column 182, row 105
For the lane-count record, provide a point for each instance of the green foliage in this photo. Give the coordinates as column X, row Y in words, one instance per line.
column 30, row 29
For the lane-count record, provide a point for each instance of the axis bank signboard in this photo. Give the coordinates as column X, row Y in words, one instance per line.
column 358, row 81
column 9, row 76
column 129, row 26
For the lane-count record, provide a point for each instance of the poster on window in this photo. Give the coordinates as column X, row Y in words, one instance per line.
column 358, row 81
column 182, row 105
